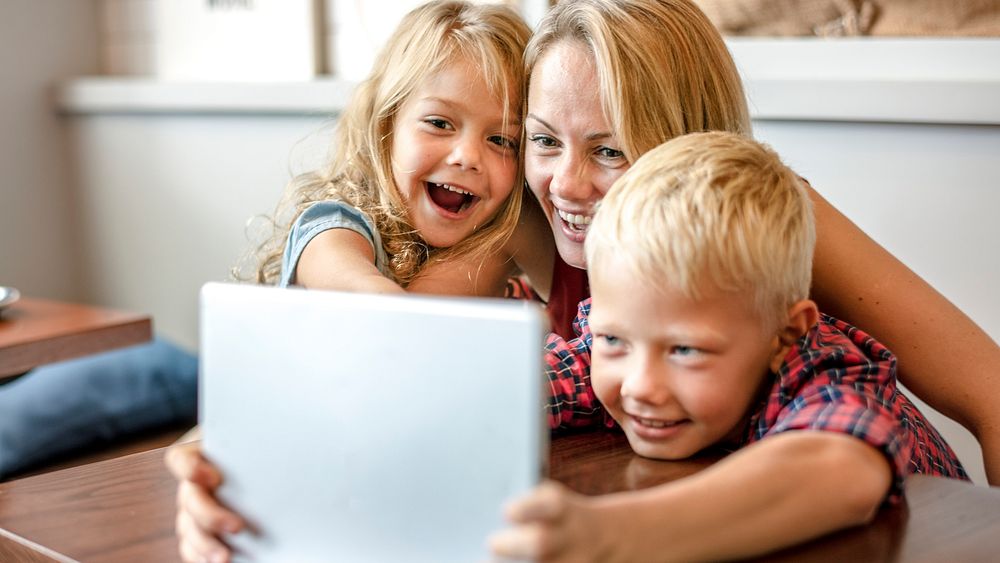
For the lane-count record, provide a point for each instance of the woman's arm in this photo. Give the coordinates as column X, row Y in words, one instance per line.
column 533, row 248
column 778, row 492
column 944, row 357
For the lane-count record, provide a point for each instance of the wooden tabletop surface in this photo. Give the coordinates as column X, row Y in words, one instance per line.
column 122, row 510
column 35, row 332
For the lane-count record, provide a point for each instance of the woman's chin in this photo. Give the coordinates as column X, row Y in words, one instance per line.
column 571, row 252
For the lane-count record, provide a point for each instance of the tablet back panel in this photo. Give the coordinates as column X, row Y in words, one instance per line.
column 356, row 427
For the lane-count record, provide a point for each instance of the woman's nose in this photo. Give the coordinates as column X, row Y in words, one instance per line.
column 571, row 180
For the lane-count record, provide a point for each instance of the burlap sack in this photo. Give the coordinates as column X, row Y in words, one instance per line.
column 855, row 17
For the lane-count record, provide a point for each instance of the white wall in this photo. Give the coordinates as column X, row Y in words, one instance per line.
column 928, row 193
column 42, row 42
column 165, row 199
column 901, row 135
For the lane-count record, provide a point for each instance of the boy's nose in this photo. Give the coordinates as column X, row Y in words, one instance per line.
column 647, row 382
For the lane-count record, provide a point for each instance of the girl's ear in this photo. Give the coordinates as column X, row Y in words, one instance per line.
column 802, row 316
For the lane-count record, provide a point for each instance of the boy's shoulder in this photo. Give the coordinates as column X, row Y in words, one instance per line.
column 833, row 343
column 841, row 379
column 834, row 368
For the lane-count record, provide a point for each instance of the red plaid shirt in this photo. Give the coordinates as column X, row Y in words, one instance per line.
column 838, row 379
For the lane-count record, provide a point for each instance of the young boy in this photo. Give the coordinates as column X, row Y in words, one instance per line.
column 701, row 334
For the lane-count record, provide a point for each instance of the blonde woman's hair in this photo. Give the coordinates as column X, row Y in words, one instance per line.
column 490, row 37
column 662, row 68
column 710, row 208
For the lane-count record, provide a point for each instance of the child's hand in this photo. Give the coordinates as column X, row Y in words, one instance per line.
column 201, row 520
column 555, row 524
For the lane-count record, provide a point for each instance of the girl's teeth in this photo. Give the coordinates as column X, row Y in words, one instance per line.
column 451, row 188
column 574, row 219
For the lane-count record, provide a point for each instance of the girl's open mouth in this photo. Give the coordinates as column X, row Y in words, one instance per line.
column 450, row 198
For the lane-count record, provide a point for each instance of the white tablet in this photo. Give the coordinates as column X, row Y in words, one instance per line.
column 355, row 427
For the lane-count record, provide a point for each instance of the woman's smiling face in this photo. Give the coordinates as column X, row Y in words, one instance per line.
column 572, row 155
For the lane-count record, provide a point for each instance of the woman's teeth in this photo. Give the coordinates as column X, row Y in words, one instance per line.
column 575, row 221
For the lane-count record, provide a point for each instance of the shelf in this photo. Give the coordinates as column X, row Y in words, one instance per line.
column 954, row 81
column 908, row 80
column 97, row 95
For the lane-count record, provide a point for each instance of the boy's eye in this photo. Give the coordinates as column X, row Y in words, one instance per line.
column 505, row 142
column 609, row 340
column 685, row 351
column 544, row 141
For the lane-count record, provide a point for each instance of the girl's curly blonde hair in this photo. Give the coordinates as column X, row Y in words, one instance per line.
column 492, row 38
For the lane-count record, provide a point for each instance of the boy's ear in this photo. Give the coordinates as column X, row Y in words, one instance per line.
column 801, row 317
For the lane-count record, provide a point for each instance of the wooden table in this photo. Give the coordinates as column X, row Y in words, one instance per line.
column 122, row 510
column 34, row 332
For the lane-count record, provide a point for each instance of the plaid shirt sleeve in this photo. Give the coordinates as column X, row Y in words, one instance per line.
column 835, row 383
column 571, row 402
column 840, row 379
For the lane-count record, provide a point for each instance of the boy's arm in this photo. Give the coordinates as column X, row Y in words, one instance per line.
column 777, row 492
column 571, row 401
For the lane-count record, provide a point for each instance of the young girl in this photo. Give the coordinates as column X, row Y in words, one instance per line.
column 424, row 165
column 422, row 193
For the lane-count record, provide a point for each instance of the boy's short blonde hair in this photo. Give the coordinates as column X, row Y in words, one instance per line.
column 711, row 208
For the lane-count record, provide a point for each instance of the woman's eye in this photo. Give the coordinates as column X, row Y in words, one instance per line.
column 610, row 153
column 544, row 141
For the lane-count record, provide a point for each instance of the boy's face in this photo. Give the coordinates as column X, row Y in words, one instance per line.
column 677, row 375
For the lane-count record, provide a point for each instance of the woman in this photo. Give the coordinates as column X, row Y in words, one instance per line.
column 611, row 79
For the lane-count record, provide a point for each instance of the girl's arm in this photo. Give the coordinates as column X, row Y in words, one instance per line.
column 530, row 251
column 472, row 275
column 944, row 357
column 775, row 493
column 343, row 260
